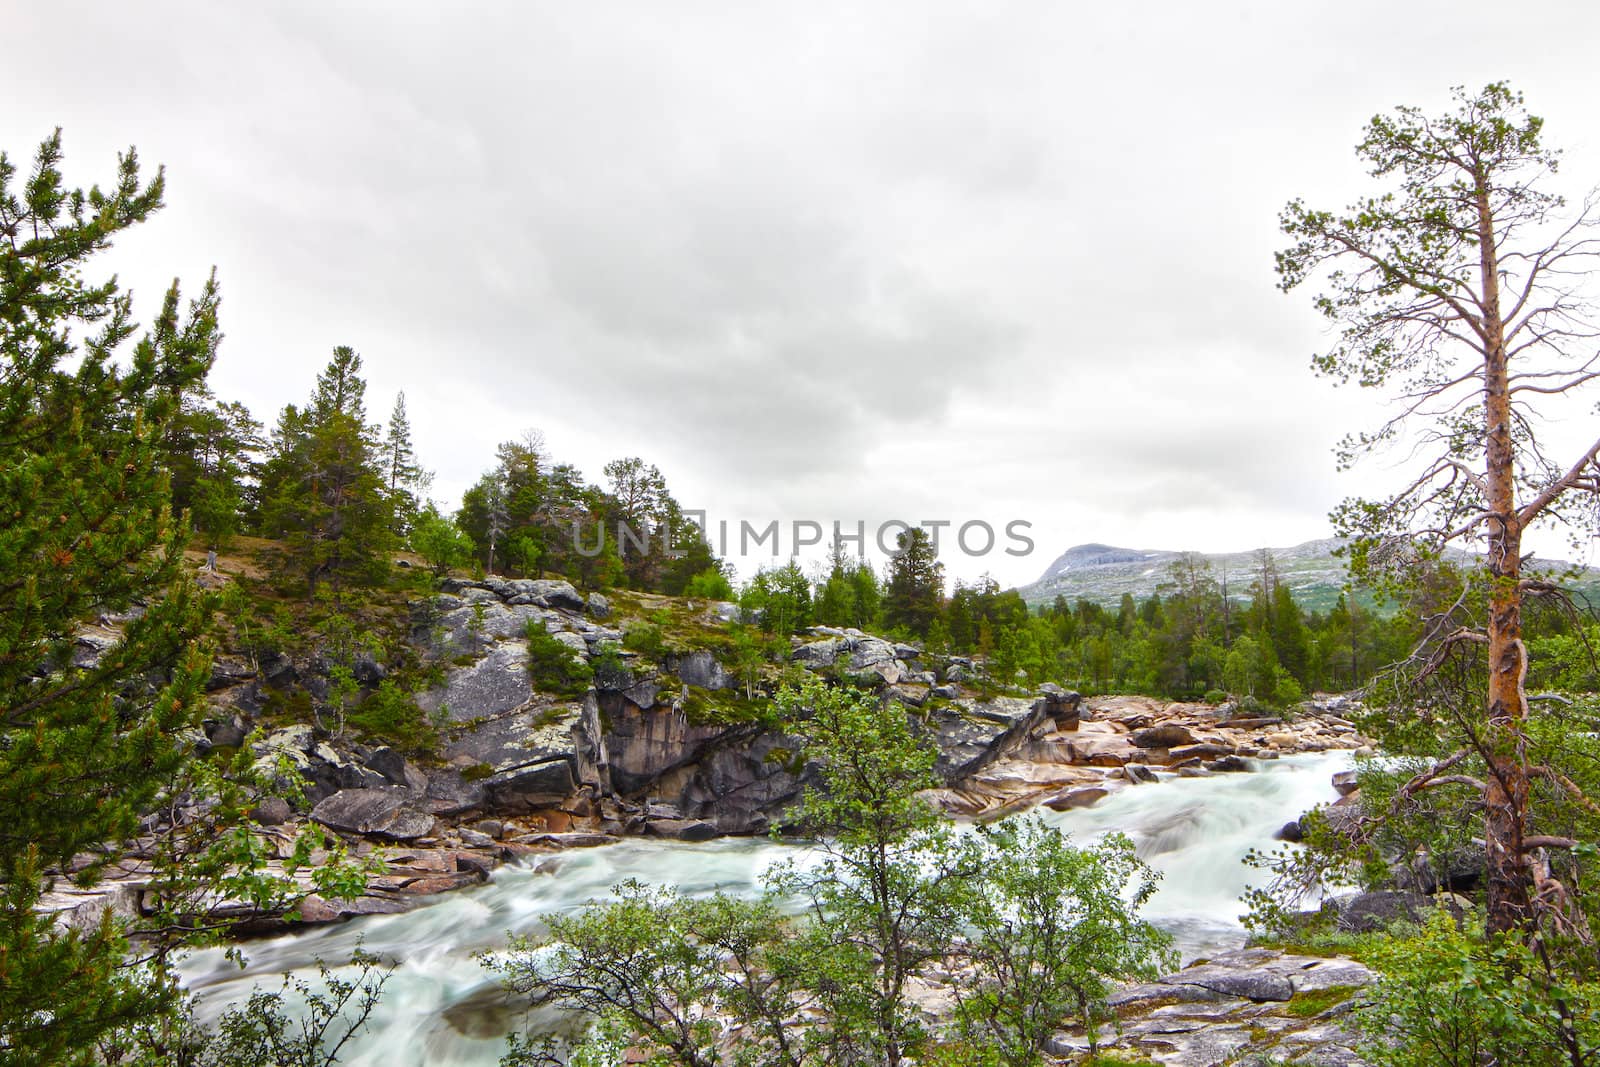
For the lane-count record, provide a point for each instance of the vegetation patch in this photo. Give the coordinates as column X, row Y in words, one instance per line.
column 1311, row 1004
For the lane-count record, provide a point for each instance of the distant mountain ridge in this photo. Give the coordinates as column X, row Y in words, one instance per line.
column 1103, row 573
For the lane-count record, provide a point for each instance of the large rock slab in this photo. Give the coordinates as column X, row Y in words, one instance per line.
column 453, row 626
column 493, row 685
column 385, row 812
column 701, row 669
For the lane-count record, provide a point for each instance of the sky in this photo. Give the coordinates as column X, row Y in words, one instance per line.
column 929, row 261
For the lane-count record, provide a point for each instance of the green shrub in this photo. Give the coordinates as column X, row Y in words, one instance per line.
column 1214, row 697
column 553, row 667
column 710, row 584
column 1456, row 997
column 609, row 669
column 390, row 715
column 646, row 639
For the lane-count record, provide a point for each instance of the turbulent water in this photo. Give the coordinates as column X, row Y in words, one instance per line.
column 442, row 1008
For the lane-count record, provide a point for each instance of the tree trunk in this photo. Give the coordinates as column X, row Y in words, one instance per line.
column 1506, row 798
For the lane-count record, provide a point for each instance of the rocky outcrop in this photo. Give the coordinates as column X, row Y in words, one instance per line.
column 670, row 748
column 1252, row 1006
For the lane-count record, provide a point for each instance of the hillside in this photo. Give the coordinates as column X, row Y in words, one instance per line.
column 1103, row 573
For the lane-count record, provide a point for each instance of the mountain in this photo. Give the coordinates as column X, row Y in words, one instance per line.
column 1102, row 573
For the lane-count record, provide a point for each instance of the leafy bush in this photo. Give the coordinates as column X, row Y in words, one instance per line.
column 646, row 639
column 1215, row 697
column 1455, row 997
column 553, row 667
column 1053, row 927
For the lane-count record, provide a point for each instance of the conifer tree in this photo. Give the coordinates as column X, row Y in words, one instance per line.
column 916, row 584
column 402, row 474
column 85, row 744
column 327, row 496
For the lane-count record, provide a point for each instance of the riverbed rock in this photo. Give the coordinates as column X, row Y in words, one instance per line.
column 1167, row 735
column 682, row 829
column 701, row 669
column 387, row 812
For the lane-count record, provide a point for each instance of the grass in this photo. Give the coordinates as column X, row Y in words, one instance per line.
column 1118, row 1059
column 1327, row 943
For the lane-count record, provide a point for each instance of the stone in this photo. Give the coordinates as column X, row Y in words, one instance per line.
column 396, row 769
column 448, row 793
column 702, row 669
column 1229, row 765
column 682, row 829
column 226, row 733
column 598, row 606
column 493, row 827
column 1235, row 980
column 536, row 785
column 575, row 642
column 367, row 670
column 1345, row 782
column 818, row 654
column 945, row 692
column 1139, row 774
column 567, row 840
column 385, row 812
column 492, row 686
column 1167, row 735
column 273, row 811
column 1290, row 831
column 315, row 909
column 1077, row 798
column 474, row 838
column 1363, row 912
column 1201, row 750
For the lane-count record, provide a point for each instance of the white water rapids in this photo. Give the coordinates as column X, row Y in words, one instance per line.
column 442, row 1008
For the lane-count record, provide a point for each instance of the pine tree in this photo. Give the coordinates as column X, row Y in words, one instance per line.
column 327, row 497
column 403, row 476
column 916, row 584
column 89, row 530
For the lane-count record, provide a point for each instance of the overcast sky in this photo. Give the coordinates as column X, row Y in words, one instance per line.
column 817, row 261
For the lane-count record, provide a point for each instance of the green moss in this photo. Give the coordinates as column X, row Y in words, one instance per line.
column 1310, row 1005
column 723, row 707
column 477, row 772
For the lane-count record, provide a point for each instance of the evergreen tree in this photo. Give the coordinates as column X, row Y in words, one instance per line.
column 327, row 491
column 84, row 749
column 405, row 479
column 916, row 584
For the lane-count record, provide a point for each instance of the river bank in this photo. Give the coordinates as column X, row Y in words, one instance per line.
column 443, row 1007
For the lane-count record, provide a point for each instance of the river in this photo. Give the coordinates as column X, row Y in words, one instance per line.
column 442, row 1008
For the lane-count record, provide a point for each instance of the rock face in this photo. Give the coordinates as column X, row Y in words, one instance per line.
column 1238, row 1008
column 494, row 685
column 666, row 749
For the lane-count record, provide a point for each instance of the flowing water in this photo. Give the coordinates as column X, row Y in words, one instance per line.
column 442, row 1008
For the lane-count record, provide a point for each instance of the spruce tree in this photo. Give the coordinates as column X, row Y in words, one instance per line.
column 327, row 494
column 916, row 585
column 86, row 743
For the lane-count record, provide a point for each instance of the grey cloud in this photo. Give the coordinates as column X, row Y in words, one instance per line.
column 818, row 260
